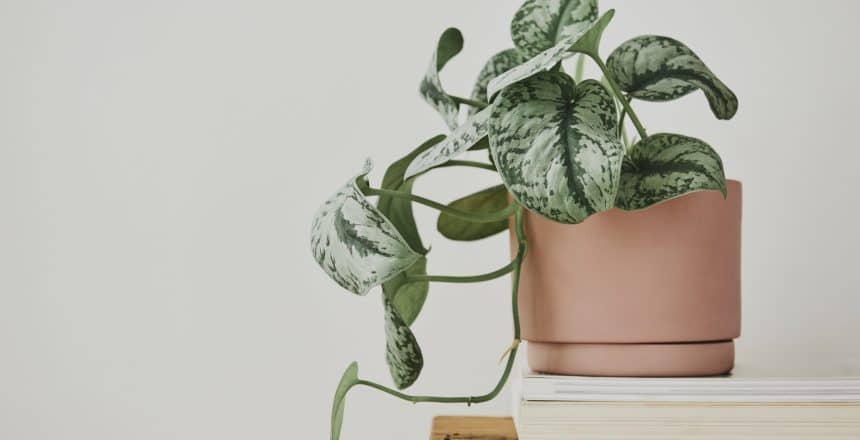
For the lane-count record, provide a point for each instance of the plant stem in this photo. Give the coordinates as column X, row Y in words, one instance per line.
column 580, row 68
column 467, row 101
column 454, row 212
column 620, row 96
column 468, row 163
column 512, row 354
column 464, row 279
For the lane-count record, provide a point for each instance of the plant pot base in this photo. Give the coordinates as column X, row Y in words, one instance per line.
column 632, row 360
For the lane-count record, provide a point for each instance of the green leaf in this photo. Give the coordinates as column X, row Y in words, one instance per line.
column 655, row 68
column 587, row 42
column 450, row 44
column 555, row 146
column 354, row 243
column 402, row 353
column 459, row 141
column 347, row 381
column 489, row 200
column 540, row 24
column 408, row 298
column 665, row 166
column 495, row 66
column 398, row 210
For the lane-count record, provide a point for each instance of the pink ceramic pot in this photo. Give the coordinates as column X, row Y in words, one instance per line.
column 646, row 293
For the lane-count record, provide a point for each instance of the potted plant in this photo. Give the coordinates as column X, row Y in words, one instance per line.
column 633, row 246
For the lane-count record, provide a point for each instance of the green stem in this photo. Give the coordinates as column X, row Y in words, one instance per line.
column 468, row 163
column 580, row 68
column 620, row 96
column 454, row 212
column 512, row 355
column 467, row 101
column 464, row 279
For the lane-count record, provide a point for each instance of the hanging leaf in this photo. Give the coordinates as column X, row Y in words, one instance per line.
column 460, row 140
column 655, row 68
column 450, row 44
column 405, row 300
column 555, row 146
column 484, row 202
column 402, row 353
column 495, row 66
column 354, row 243
column 665, row 166
column 540, row 24
column 347, row 381
column 587, row 41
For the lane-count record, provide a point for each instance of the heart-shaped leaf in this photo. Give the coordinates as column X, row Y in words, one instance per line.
column 587, row 41
column 402, row 352
column 665, row 166
column 655, row 68
column 540, row 24
column 354, row 243
column 555, row 145
column 450, row 44
column 489, row 200
column 459, row 141
column 495, row 66
column 347, row 381
column 408, row 298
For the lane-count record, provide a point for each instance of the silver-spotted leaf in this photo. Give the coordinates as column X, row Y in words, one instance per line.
column 555, row 146
column 587, row 41
column 450, row 44
column 354, row 243
column 483, row 202
column 402, row 352
column 665, row 166
column 495, row 66
column 655, row 68
column 459, row 141
column 540, row 24
column 347, row 381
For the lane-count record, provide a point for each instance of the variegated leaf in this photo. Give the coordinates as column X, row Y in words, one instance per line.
column 587, row 41
column 354, row 243
column 540, row 24
column 555, row 146
column 402, row 353
column 495, row 66
column 655, row 68
column 665, row 166
column 460, row 140
column 483, row 202
column 450, row 44
column 347, row 381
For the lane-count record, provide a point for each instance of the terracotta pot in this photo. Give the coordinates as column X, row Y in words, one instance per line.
column 654, row 292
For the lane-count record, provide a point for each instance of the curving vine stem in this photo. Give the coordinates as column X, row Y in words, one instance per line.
column 522, row 247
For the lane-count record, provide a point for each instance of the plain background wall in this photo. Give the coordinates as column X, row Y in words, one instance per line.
column 160, row 163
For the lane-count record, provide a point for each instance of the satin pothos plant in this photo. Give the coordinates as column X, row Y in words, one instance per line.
column 556, row 140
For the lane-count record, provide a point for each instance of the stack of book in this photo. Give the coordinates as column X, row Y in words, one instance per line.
column 743, row 405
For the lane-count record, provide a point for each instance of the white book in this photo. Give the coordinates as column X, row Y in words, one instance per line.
column 743, row 385
column 749, row 404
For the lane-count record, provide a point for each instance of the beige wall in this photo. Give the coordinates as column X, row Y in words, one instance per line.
column 160, row 163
